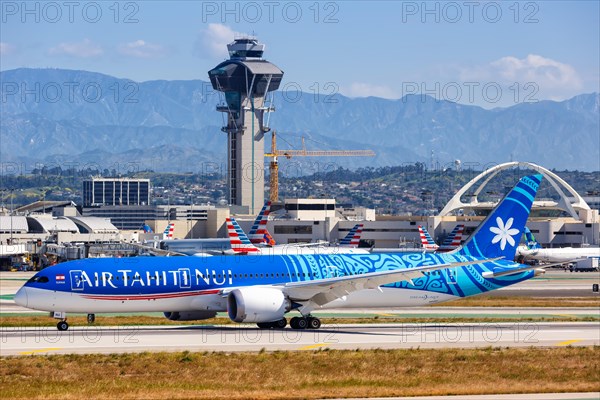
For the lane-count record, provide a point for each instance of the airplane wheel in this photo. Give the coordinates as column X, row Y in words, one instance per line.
column 264, row 325
column 302, row 323
column 314, row 323
column 91, row 318
column 62, row 326
column 280, row 324
column 294, row 323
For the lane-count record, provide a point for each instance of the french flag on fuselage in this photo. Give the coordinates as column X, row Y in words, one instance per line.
column 238, row 239
column 259, row 227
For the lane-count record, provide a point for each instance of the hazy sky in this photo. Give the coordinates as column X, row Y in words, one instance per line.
column 475, row 52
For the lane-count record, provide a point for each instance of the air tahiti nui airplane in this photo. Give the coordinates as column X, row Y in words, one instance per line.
column 264, row 289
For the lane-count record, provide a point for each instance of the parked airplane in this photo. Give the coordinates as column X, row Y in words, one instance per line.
column 241, row 244
column 263, row 289
column 210, row 247
column 534, row 251
column 452, row 241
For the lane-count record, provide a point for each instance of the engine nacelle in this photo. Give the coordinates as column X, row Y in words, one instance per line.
column 189, row 315
column 256, row 304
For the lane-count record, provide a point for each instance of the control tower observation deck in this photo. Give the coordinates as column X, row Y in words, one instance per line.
column 246, row 80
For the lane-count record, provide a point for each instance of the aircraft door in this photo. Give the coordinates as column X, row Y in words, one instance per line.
column 76, row 280
column 450, row 274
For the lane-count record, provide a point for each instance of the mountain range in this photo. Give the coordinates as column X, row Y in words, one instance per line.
column 68, row 117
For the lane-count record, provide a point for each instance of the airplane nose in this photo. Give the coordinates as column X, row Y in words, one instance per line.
column 21, row 297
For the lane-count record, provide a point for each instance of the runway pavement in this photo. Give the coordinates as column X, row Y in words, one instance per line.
column 81, row 340
column 93, row 339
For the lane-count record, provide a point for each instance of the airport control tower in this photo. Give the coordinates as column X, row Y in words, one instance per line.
column 246, row 80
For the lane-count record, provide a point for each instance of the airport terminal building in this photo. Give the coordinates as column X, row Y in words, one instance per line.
column 570, row 221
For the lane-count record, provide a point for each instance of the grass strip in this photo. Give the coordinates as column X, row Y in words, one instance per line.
column 8, row 321
column 522, row 301
column 302, row 375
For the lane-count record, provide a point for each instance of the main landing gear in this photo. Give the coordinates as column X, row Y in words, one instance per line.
column 307, row 322
column 273, row 325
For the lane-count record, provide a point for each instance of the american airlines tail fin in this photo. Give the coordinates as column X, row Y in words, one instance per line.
column 259, row 227
column 426, row 240
column 352, row 239
column 532, row 243
column 453, row 240
column 169, row 230
column 238, row 239
column 498, row 235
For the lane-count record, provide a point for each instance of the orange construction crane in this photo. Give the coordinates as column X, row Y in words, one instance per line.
column 274, row 166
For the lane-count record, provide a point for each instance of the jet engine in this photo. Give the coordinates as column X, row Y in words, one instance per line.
column 256, row 304
column 189, row 315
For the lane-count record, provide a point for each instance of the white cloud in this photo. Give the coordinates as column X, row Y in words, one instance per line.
column 83, row 49
column 141, row 49
column 214, row 39
column 361, row 89
column 554, row 79
column 6, row 49
column 533, row 68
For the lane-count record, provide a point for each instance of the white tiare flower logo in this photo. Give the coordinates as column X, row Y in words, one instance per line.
column 504, row 233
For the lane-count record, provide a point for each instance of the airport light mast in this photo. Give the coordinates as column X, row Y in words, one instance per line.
column 246, row 80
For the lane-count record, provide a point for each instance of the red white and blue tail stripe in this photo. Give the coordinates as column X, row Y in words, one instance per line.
column 352, row 239
column 168, row 233
column 238, row 239
column 426, row 240
column 259, row 227
column 453, row 240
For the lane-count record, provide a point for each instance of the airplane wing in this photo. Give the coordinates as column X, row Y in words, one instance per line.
column 155, row 251
column 323, row 291
column 504, row 271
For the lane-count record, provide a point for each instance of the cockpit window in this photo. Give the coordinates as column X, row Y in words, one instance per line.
column 38, row 279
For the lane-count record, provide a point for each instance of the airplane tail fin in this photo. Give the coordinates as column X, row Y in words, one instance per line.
column 146, row 228
column 498, row 235
column 238, row 239
column 259, row 227
column 532, row 243
column 426, row 239
column 352, row 239
column 268, row 239
column 453, row 240
column 169, row 230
